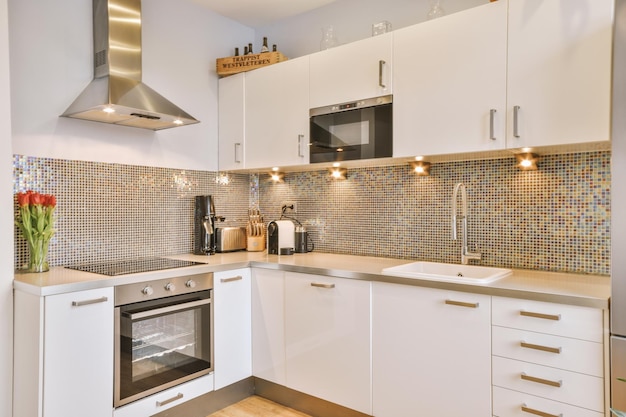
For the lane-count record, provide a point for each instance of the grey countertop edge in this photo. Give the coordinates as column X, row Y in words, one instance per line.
column 573, row 289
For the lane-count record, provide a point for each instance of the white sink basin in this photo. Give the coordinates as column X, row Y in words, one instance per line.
column 448, row 272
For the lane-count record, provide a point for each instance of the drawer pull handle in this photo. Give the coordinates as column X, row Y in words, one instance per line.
column 538, row 413
column 555, row 317
column 169, row 400
column 237, row 278
column 525, row 377
column 319, row 285
column 462, row 304
column 556, row 350
column 87, row 302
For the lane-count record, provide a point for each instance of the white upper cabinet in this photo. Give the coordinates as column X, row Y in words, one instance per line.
column 449, row 79
column 277, row 115
column 559, row 71
column 355, row 71
column 231, row 122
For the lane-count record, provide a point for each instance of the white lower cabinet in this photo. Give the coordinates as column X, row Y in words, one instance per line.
column 268, row 325
column 431, row 352
column 327, row 333
column 64, row 363
column 166, row 399
column 548, row 359
column 232, row 326
column 518, row 404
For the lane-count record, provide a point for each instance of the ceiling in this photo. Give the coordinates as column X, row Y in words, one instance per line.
column 260, row 13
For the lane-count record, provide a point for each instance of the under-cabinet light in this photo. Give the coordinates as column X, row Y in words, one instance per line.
column 527, row 161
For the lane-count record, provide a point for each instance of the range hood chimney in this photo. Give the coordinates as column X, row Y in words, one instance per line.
column 117, row 95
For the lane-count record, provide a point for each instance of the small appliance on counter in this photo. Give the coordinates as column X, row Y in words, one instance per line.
column 280, row 235
column 210, row 238
column 204, row 226
column 302, row 240
column 230, row 238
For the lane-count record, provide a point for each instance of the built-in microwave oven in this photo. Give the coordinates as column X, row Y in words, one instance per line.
column 357, row 130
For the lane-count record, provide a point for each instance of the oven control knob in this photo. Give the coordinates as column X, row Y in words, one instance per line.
column 190, row 283
column 147, row 290
column 170, row 287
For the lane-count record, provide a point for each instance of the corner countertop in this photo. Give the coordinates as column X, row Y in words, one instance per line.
column 565, row 288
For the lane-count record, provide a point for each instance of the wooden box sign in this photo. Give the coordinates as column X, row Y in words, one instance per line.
column 235, row 64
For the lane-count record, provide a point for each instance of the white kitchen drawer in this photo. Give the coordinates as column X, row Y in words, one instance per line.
column 151, row 405
column 557, row 319
column 555, row 351
column 507, row 403
column 576, row 389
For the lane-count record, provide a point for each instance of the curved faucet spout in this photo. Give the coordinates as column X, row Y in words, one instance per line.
column 466, row 255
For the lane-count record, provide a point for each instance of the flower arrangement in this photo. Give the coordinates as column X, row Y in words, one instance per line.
column 35, row 221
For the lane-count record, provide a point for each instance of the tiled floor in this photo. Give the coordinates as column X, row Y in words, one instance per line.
column 257, row 407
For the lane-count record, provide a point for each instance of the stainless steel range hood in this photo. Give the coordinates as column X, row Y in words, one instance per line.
column 117, row 95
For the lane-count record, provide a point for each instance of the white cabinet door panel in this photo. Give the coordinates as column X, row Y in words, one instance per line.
column 268, row 325
column 449, row 73
column 355, row 71
column 432, row 357
column 78, row 356
column 559, row 71
column 328, row 339
column 233, row 327
column 231, row 122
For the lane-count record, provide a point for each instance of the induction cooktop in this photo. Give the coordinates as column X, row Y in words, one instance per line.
column 132, row 266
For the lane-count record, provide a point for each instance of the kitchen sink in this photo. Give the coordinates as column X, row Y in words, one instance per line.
column 448, row 272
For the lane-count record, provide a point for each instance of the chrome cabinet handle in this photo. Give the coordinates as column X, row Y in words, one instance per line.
column 381, row 65
column 169, row 400
column 556, row 350
column 462, row 304
column 237, row 278
column 237, row 152
column 300, row 154
column 538, row 412
column 516, row 110
column 87, row 302
column 492, row 117
column 320, row 285
column 530, row 378
column 555, row 317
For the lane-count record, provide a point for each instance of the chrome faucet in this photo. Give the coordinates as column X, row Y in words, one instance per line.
column 466, row 255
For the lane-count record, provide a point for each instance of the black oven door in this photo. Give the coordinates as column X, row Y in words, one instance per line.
column 161, row 343
column 360, row 133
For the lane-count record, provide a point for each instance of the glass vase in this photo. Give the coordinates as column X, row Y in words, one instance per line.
column 328, row 38
column 38, row 261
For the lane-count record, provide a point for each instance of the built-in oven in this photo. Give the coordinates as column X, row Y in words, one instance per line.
column 163, row 335
column 357, row 130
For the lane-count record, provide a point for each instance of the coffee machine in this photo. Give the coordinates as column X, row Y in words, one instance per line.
column 204, row 226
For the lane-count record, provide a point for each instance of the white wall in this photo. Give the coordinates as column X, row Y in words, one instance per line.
column 6, row 225
column 351, row 19
column 51, row 55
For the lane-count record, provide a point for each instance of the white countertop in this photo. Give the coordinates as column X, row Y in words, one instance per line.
column 584, row 290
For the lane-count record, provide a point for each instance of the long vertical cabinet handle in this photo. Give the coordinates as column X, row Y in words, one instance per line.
column 381, row 66
column 538, row 412
column 300, row 139
column 238, row 152
column 516, row 110
column 492, row 117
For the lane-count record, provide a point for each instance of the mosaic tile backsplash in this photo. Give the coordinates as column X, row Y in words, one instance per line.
column 553, row 219
column 112, row 211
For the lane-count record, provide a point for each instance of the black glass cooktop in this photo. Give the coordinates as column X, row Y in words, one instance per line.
column 132, row 266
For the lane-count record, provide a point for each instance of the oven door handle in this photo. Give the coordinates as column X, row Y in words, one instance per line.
column 164, row 310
